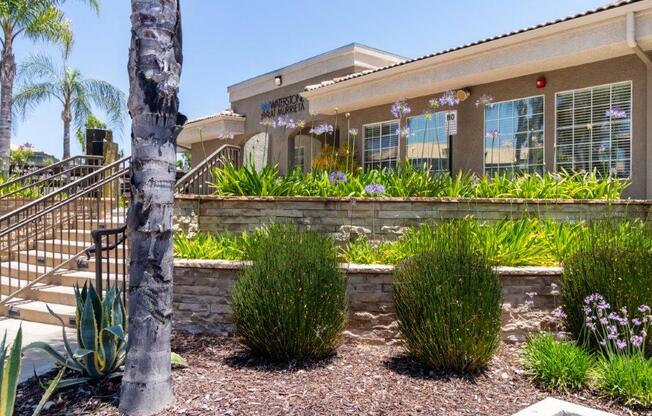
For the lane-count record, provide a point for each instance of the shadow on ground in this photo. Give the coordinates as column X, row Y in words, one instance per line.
column 405, row 365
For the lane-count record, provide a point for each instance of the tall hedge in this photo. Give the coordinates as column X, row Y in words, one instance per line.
column 448, row 302
column 291, row 303
column 613, row 259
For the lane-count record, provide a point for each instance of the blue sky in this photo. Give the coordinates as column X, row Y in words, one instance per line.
column 228, row 41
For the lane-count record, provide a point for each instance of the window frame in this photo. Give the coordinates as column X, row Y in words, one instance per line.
column 484, row 130
column 364, row 140
column 631, row 119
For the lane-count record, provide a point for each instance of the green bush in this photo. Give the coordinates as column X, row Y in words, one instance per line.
column 448, row 302
column 613, row 259
column 627, row 378
column 291, row 303
column 557, row 365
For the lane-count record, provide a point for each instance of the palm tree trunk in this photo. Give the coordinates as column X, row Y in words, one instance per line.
column 154, row 70
column 7, row 75
column 66, row 139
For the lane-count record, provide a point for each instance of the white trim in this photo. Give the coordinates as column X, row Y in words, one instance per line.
column 631, row 123
column 364, row 149
column 484, row 130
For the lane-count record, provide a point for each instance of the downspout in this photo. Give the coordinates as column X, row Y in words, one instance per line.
column 633, row 44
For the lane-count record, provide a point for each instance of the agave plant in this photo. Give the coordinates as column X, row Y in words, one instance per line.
column 101, row 337
column 9, row 373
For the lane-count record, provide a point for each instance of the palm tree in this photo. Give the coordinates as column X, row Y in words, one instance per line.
column 45, row 81
column 154, row 71
column 35, row 20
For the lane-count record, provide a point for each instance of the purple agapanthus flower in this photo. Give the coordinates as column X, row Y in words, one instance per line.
column 282, row 121
column 400, row 108
column 268, row 122
column 615, row 113
column 621, row 344
column 492, row 134
column 484, row 100
column 322, row 128
column 636, row 322
column 448, row 98
column 644, row 309
column 227, row 135
column 353, row 132
column 374, row 189
column 403, row 132
column 337, row 177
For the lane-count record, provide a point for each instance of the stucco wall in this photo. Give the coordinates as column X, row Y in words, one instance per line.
column 383, row 217
column 202, row 291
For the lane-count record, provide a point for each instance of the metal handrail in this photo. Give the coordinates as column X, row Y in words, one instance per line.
column 66, row 192
column 195, row 181
column 66, row 219
column 49, row 168
column 119, row 235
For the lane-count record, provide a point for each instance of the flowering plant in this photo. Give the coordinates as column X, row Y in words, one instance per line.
column 616, row 331
column 337, row 177
column 400, row 109
column 374, row 189
column 484, row 100
column 322, row 128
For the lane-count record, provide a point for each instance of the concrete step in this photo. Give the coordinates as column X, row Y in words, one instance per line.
column 36, row 311
column 52, row 259
column 66, row 277
column 52, row 294
column 72, row 247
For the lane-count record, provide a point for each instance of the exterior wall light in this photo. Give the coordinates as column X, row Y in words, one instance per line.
column 278, row 80
column 462, row 94
column 541, row 82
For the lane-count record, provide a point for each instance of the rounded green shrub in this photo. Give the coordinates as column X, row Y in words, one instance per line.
column 557, row 365
column 626, row 378
column 448, row 302
column 291, row 303
column 613, row 259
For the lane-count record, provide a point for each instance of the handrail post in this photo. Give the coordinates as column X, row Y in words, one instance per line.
column 97, row 241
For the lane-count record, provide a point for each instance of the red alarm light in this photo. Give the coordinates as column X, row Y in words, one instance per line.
column 541, row 82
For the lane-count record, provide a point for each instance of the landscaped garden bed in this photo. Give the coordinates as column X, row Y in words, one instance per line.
column 356, row 379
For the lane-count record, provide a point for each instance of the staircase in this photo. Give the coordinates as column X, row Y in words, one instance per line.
column 43, row 244
column 51, row 219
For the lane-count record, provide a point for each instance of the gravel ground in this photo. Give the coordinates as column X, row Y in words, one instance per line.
column 357, row 380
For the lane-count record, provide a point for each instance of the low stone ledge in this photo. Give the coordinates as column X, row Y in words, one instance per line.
column 202, row 290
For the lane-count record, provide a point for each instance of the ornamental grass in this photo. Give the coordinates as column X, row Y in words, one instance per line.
column 448, row 302
column 291, row 303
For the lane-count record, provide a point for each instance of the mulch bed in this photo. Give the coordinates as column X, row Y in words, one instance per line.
column 357, row 380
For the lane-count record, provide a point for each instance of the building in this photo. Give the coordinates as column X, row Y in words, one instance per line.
column 575, row 94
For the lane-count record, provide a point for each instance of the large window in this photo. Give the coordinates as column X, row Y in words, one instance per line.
column 594, row 129
column 427, row 144
column 514, row 136
column 381, row 145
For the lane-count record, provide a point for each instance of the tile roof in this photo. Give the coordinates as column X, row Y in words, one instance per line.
column 225, row 113
column 609, row 6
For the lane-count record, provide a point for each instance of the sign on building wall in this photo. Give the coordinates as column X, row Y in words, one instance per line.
column 450, row 122
column 282, row 106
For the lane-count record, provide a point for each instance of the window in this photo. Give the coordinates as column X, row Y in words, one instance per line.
column 514, row 137
column 381, row 145
column 594, row 129
column 428, row 142
column 300, row 157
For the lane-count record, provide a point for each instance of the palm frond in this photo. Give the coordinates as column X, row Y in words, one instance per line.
column 29, row 96
column 37, row 68
column 108, row 98
column 48, row 23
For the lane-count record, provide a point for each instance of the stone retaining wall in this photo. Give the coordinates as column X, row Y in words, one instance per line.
column 381, row 217
column 202, row 289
